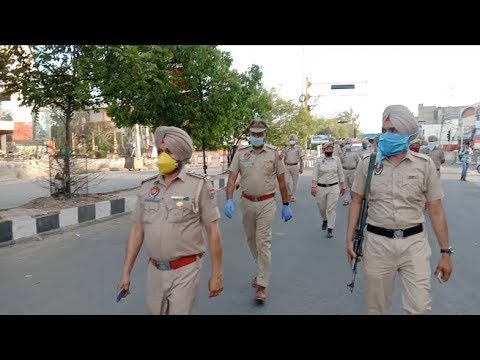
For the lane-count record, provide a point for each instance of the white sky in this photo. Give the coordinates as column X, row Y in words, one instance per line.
column 394, row 74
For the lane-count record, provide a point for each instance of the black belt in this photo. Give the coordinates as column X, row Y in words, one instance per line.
column 395, row 234
column 293, row 164
column 327, row 185
column 345, row 168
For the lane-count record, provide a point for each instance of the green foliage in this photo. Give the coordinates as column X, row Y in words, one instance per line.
column 288, row 118
column 191, row 87
column 50, row 76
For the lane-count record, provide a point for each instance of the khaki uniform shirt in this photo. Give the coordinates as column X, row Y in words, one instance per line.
column 293, row 155
column 350, row 160
column 398, row 194
column 437, row 156
column 364, row 152
column 328, row 170
column 337, row 150
column 173, row 228
column 258, row 171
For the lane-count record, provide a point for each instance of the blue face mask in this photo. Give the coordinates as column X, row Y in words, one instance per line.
column 347, row 147
column 257, row 142
column 391, row 144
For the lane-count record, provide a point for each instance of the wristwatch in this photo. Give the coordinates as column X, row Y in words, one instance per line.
column 447, row 251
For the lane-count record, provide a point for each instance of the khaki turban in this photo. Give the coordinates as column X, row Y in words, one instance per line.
column 293, row 137
column 402, row 119
column 176, row 140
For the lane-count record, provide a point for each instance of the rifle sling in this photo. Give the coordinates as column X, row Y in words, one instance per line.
column 371, row 165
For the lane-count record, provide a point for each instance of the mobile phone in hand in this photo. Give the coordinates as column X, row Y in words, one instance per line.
column 121, row 295
column 439, row 277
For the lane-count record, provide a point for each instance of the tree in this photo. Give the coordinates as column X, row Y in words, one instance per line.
column 191, row 87
column 350, row 120
column 288, row 118
column 54, row 77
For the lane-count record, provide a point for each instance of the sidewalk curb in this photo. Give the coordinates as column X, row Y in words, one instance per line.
column 30, row 227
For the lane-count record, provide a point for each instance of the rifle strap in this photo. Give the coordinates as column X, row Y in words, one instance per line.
column 371, row 165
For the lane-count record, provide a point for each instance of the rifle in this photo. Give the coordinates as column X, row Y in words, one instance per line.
column 362, row 220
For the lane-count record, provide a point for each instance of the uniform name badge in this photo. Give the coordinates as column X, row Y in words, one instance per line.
column 152, row 196
column 179, row 200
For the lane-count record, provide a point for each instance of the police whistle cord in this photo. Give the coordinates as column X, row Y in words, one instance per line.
column 362, row 220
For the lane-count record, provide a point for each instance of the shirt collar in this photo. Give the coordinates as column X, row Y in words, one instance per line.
column 182, row 175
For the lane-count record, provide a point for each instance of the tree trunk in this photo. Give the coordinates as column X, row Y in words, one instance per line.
column 66, row 159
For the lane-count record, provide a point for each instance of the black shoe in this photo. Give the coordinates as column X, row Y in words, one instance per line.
column 324, row 225
column 329, row 233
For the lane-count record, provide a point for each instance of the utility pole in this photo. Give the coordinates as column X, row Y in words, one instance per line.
column 441, row 130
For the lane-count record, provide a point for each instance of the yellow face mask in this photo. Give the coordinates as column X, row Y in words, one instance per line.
column 166, row 164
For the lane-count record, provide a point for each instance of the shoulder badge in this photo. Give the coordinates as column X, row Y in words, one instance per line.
column 149, row 179
column 270, row 147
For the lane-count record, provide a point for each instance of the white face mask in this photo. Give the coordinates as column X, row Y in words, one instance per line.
column 292, row 142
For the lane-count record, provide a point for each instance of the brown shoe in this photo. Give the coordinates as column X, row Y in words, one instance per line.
column 260, row 295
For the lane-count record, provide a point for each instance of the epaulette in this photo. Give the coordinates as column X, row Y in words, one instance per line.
column 420, row 155
column 365, row 156
column 150, row 178
column 271, row 147
column 198, row 176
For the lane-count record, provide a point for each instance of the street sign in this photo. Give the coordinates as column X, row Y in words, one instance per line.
column 342, row 86
column 320, row 139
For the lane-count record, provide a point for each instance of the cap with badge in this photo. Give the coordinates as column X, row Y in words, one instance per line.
column 257, row 126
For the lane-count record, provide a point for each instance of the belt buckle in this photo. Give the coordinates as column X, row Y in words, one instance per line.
column 163, row 265
column 398, row 234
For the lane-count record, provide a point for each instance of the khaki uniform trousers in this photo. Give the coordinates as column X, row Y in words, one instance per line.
column 173, row 292
column 410, row 257
column 327, row 198
column 291, row 175
column 349, row 176
column 257, row 221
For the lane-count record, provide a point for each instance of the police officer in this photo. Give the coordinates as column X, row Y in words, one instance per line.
column 293, row 159
column 337, row 150
column 327, row 183
column 415, row 145
column 260, row 170
column 395, row 237
column 350, row 160
column 372, row 147
column 365, row 150
column 170, row 211
column 436, row 154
